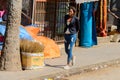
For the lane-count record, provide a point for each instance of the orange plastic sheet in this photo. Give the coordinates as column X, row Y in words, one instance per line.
column 51, row 48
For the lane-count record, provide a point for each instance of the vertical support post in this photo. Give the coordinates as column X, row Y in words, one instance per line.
column 54, row 28
column 33, row 11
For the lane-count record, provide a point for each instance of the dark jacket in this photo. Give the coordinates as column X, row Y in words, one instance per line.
column 73, row 26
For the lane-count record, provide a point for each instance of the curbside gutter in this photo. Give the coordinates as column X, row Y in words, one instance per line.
column 78, row 70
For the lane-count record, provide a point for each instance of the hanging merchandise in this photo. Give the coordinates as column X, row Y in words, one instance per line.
column 94, row 23
column 103, row 18
column 87, row 25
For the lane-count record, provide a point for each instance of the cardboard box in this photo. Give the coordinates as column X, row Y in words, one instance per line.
column 32, row 60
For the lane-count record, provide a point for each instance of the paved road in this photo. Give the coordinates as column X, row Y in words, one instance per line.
column 98, row 56
column 111, row 73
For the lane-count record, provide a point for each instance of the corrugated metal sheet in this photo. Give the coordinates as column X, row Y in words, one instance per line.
column 82, row 1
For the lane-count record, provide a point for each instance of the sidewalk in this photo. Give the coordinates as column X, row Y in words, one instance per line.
column 87, row 59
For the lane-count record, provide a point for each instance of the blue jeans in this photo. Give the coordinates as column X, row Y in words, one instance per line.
column 69, row 44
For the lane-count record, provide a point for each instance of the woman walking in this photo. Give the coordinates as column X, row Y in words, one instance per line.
column 70, row 35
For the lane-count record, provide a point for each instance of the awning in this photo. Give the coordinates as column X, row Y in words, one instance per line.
column 82, row 1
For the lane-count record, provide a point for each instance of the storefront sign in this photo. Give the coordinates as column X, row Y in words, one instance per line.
column 82, row 1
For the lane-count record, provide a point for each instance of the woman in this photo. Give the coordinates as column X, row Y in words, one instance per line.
column 70, row 35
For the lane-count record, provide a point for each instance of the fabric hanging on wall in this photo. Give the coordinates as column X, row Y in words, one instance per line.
column 94, row 32
column 87, row 26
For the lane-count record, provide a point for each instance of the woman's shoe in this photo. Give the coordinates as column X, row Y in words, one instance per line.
column 67, row 67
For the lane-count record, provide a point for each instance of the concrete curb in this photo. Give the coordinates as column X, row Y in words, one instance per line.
column 78, row 70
